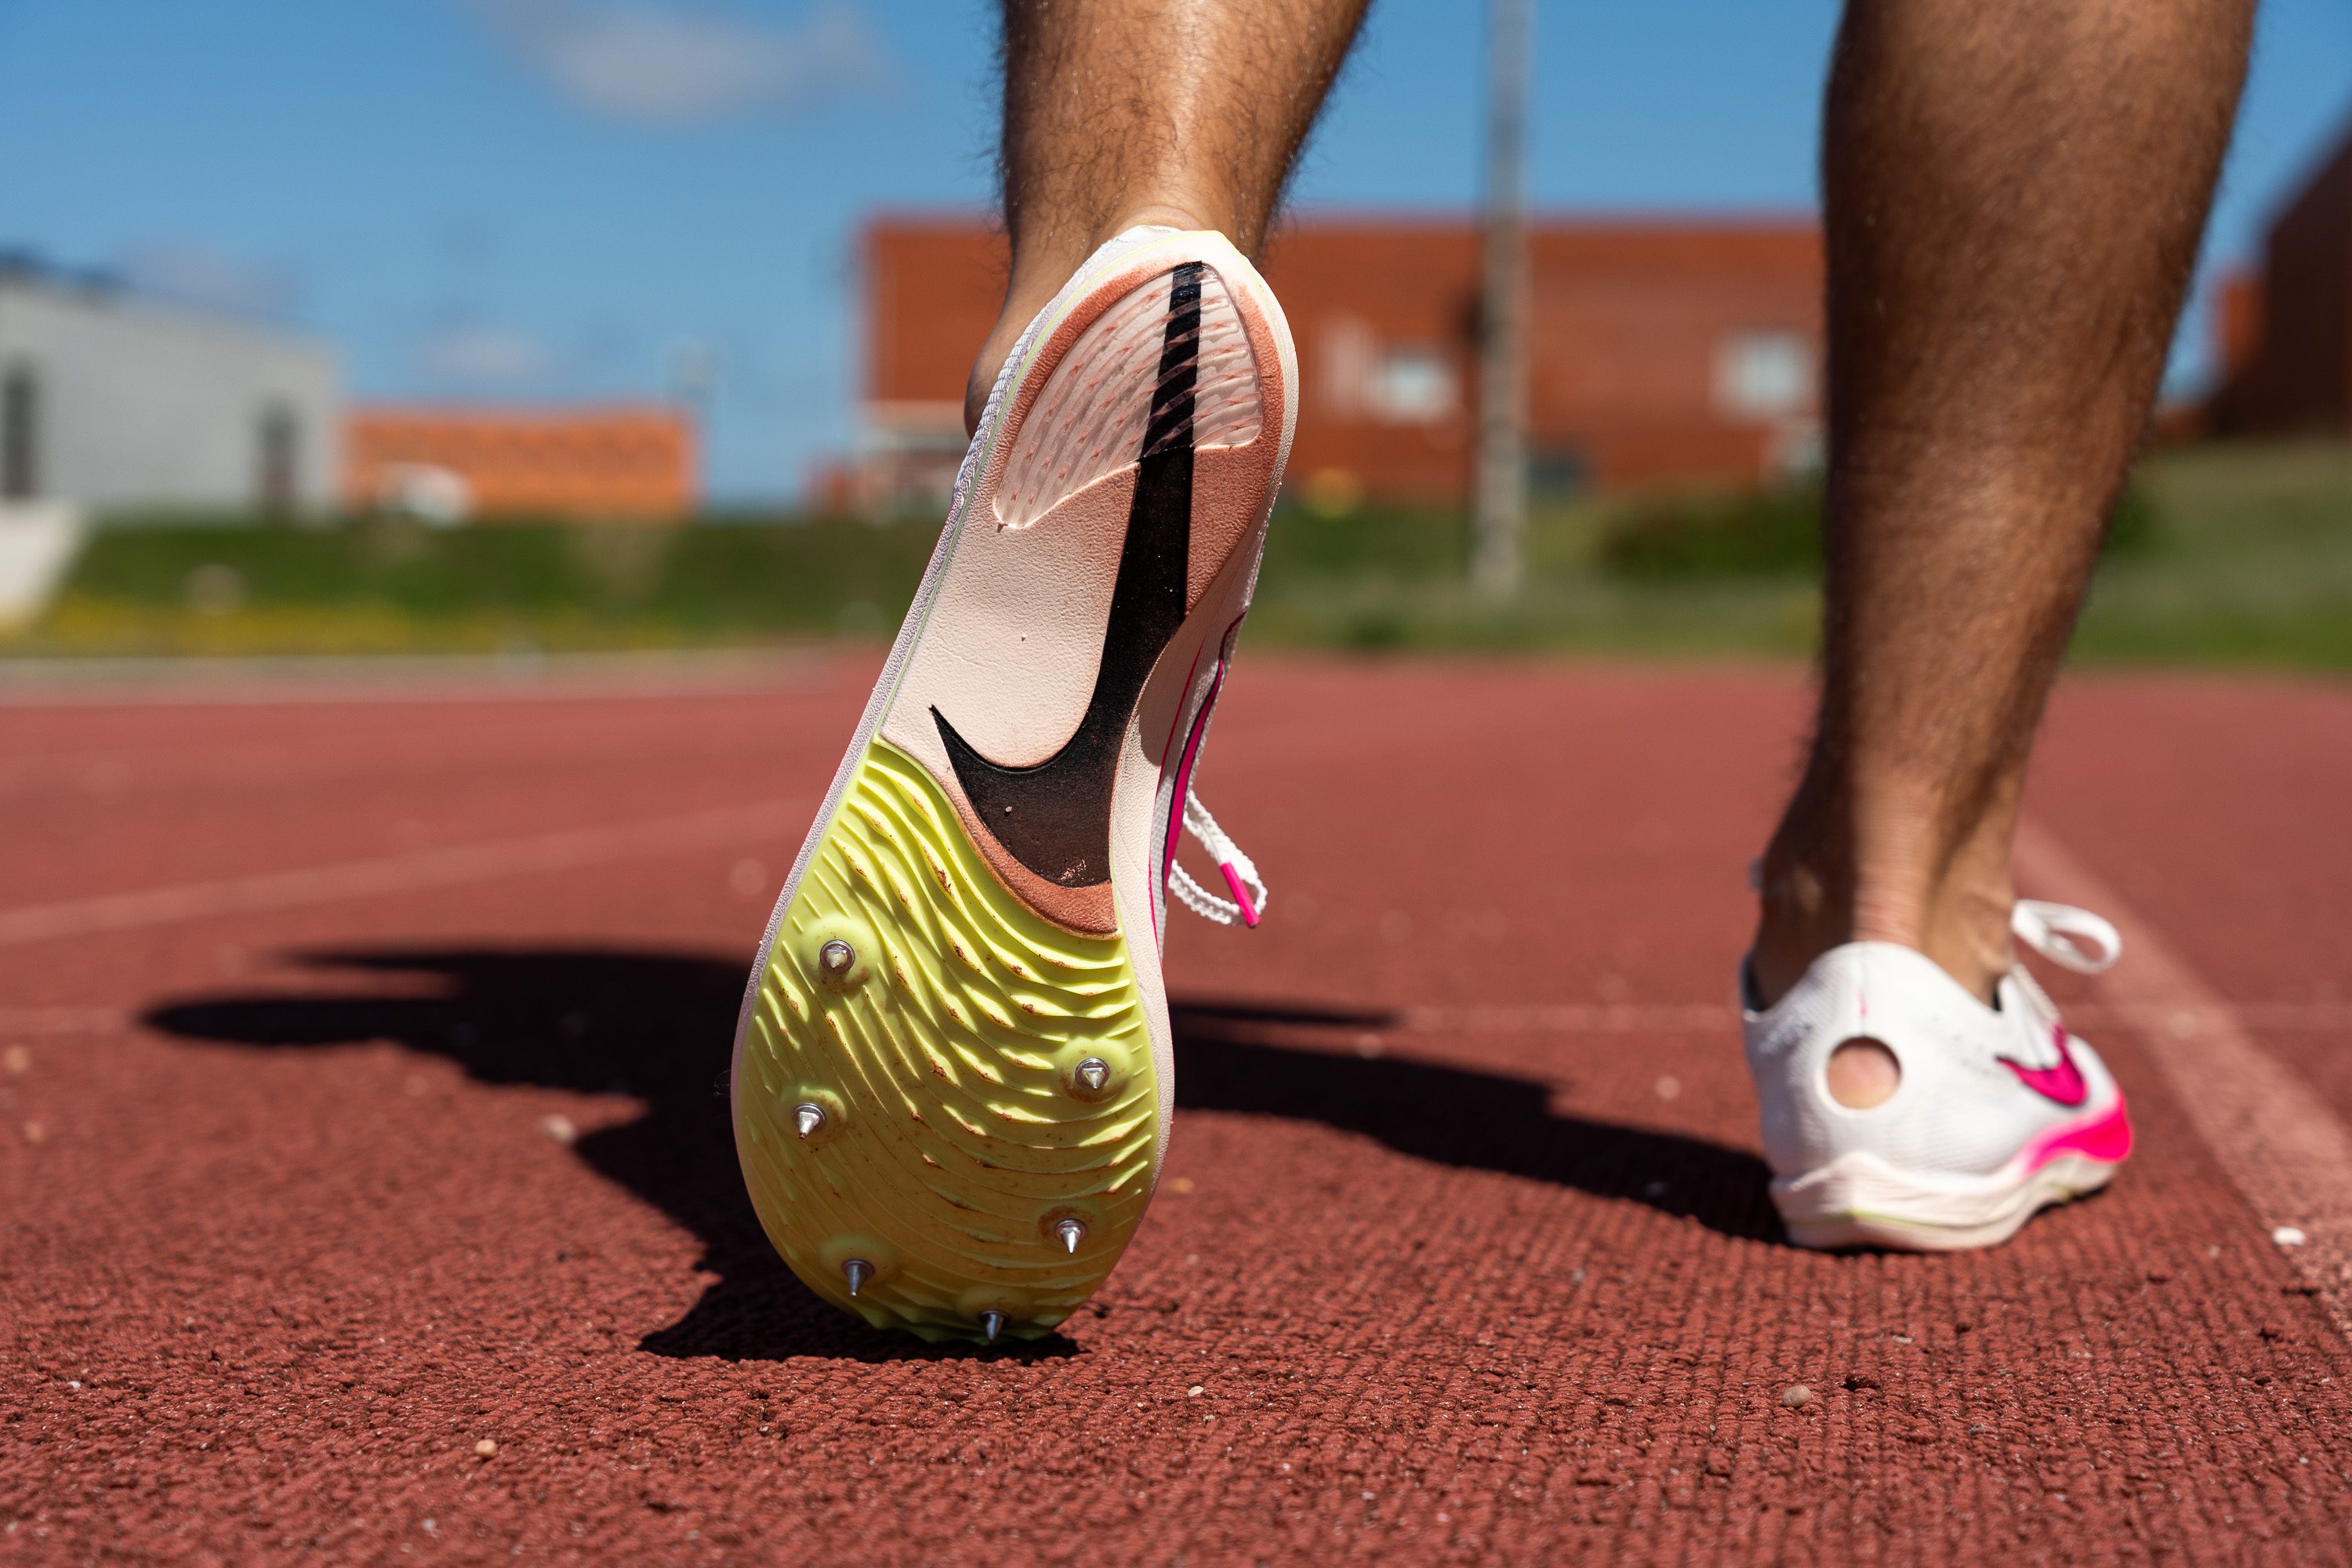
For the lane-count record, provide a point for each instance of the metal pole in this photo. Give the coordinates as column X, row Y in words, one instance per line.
column 1500, row 505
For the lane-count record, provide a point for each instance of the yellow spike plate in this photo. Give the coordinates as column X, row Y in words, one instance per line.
column 957, row 1132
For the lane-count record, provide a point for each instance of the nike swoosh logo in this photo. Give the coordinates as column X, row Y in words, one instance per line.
column 2064, row 1084
column 1054, row 816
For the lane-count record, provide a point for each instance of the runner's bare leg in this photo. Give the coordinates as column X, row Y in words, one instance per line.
column 2014, row 194
column 1120, row 112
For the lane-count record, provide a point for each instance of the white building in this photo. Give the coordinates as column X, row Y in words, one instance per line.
column 112, row 403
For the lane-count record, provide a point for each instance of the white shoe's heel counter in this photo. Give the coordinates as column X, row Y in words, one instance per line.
column 1786, row 1058
column 1861, row 990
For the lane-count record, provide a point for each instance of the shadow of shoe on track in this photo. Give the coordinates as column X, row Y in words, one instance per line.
column 1251, row 1057
column 656, row 1027
column 652, row 1025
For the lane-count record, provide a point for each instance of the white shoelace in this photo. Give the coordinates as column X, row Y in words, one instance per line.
column 2068, row 937
column 1248, row 902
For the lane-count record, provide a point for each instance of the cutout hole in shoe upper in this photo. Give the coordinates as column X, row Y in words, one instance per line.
column 1862, row 1074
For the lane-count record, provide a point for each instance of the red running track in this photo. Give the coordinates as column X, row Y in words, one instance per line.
column 360, row 1104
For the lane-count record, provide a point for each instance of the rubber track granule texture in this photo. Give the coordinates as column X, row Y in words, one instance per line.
column 957, row 1132
column 356, row 1111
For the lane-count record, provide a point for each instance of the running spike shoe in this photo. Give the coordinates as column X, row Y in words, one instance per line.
column 1999, row 1112
column 952, row 1074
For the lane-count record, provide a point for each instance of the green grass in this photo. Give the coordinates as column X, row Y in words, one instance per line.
column 2248, row 561
column 2223, row 556
column 384, row 585
column 1394, row 581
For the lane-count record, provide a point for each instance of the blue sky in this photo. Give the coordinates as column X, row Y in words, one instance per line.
column 576, row 198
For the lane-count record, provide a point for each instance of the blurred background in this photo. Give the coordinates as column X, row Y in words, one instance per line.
column 525, row 327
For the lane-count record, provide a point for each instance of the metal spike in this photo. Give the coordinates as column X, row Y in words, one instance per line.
column 859, row 1272
column 1072, row 1232
column 836, row 958
column 991, row 1324
column 1094, row 1072
column 808, row 1117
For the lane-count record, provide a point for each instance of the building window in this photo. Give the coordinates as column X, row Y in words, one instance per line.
column 1414, row 386
column 20, row 433
column 1386, row 384
column 279, row 474
column 1764, row 374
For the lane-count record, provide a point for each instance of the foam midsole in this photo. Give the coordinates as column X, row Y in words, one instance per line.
column 1863, row 1186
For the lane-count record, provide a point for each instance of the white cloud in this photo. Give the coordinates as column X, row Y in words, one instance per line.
column 635, row 60
column 483, row 356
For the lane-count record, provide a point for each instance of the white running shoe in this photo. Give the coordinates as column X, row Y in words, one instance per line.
column 2000, row 1112
column 953, row 1071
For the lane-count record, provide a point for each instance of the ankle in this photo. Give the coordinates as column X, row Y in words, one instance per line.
column 1966, row 932
column 1959, row 919
column 1042, row 264
column 1803, row 910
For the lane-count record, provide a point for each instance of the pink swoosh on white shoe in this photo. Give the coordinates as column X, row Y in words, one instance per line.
column 2062, row 1084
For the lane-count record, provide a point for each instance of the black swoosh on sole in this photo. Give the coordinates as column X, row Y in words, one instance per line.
column 1054, row 816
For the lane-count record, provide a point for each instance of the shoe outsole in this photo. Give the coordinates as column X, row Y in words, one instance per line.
column 957, row 1132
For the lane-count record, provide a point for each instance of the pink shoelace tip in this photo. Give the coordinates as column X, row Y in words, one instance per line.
column 1240, row 894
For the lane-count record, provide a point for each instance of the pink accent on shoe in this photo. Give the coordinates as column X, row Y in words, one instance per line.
column 2062, row 1084
column 1175, row 801
column 1177, row 718
column 1184, row 782
column 1240, row 894
column 2105, row 1137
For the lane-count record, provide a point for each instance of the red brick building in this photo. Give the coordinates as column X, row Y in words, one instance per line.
column 630, row 464
column 1664, row 352
column 2283, row 335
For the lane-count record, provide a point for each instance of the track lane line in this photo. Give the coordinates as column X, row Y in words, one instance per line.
column 430, row 680
column 2288, row 1155
column 452, row 866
